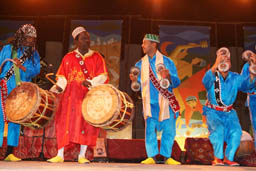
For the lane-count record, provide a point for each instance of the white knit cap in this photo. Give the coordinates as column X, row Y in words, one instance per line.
column 77, row 31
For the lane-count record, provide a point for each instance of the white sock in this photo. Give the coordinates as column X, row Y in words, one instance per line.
column 83, row 149
column 61, row 152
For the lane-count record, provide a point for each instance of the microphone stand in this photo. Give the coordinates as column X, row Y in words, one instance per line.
column 41, row 155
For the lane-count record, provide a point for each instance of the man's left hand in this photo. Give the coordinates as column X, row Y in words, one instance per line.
column 165, row 73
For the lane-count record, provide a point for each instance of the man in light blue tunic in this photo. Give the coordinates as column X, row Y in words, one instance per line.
column 251, row 95
column 20, row 51
column 160, row 106
column 222, row 87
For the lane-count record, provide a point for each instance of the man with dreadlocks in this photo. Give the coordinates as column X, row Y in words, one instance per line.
column 22, row 52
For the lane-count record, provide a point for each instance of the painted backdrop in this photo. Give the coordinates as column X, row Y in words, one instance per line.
column 188, row 47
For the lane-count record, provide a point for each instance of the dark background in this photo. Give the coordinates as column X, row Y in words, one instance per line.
column 225, row 17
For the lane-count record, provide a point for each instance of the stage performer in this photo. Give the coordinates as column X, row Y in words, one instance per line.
column 160, row 106
column 79, row 70
column 222, row 87
column 22, row 51
column 251, row 95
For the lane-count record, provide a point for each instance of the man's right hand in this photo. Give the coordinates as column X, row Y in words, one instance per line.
column 219, row 58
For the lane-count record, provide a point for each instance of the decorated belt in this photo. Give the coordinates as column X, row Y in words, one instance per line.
column 253, row 93
column 82, row 65
column 218, row 108
column 4, row 94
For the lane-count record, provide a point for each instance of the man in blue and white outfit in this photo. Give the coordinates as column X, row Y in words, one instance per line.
column 22, row 52
column 222, row 87
column 160, row 106
column 251, row 95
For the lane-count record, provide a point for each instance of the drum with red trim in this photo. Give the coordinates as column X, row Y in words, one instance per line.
column 29, row 105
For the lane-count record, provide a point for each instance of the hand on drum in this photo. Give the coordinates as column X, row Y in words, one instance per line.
column 86, row 83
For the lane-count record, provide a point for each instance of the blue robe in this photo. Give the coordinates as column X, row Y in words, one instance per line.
column 251, row 101
column 224, row 126
column 32, row 69
column 153, row 123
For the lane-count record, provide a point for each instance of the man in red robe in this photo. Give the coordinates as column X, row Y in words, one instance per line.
column 79, row 70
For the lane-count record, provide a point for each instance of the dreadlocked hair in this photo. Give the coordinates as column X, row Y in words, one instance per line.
column 19, row 38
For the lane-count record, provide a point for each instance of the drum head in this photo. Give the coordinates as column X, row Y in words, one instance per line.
column 21, row 101
column 100, row 104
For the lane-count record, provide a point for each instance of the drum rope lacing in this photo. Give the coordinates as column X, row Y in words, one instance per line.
column 126, row 104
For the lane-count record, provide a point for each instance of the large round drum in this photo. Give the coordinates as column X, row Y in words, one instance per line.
column 29, row 105
column 245, row 148
column 106, row 107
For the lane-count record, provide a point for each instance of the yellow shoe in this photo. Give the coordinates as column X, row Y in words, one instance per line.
column 83, row 160
column 56, row 159
column 12, row 158
column 149, row 160
column 172, row 162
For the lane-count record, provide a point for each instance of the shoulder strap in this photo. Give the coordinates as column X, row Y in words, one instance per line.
column 217, row 90
column 27, row 53
column 173, row 103
column 82, row 65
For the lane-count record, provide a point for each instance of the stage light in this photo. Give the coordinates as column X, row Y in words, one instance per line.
column 245, row 1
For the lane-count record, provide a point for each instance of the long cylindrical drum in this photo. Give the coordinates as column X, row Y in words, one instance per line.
column 29, row 105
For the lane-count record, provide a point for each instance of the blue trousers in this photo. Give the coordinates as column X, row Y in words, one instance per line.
column 223, row 127
column 169, row 131
column 13, row 132
column 252, row 108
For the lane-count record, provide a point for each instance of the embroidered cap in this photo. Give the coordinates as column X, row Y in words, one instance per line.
column 28, row 30
column 152, row 37
column 77, row 31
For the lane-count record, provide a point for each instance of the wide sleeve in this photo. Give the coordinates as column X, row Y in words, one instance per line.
column 245, row 70
column 138, row 64
column 175, row 81
column 208, row 79
column 63, row 68
column 4, row 54
column 32, row 66
column 245, row 83
column 101, row 69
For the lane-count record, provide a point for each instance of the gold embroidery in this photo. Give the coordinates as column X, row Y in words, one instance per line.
column 76, row 76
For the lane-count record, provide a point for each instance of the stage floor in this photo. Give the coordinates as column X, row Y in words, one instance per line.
column 73, row 166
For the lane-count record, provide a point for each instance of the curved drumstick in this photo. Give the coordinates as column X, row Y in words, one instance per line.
column 53, row 82
column 11, row 60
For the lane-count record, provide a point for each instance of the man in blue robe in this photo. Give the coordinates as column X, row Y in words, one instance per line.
column 251, row 95
column 160, row 106
column 22, row 52
column 222, row 87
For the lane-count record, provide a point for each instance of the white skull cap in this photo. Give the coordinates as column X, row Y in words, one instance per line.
column 77, row 31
